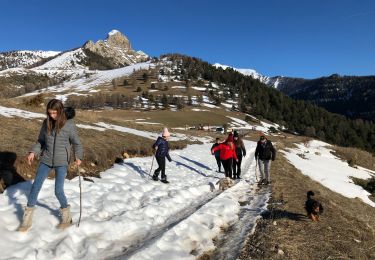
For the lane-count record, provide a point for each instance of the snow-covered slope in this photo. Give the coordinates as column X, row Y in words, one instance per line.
column 17, row 59
column 316, row 161
column 270, row 81
column 125, row 211
column 248, row 72
column 88, row 84
column 67, row 60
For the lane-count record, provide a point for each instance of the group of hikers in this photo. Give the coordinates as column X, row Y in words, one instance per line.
column 230, row 153
column 58, row 134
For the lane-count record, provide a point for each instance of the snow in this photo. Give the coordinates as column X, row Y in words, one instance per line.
column 227, row 105
column 20, row 59
column 199, row 110
column 101, row 129
column 321, row 166
column 247, row 72
column 145, row 134
column 199, row 88
column 14, row 112
column 148, row 123
column 209, row 105
column 97, row 79
column 126, row 214
column 113, row 32
column 67, row 60
column 39, row 53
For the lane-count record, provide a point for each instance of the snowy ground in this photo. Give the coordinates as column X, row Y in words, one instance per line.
column 96, row 79
column 126, row 214
column 320, row 165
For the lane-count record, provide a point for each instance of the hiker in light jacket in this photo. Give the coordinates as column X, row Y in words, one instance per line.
column 264, row 152
column 162, row 151
column 57, row 134
column 240, row 152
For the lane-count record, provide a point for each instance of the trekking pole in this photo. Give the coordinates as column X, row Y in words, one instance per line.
column 256, row 165
column 80, row 195
column 152, row 163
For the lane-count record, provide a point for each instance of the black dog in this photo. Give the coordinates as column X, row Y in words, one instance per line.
column 313, row 207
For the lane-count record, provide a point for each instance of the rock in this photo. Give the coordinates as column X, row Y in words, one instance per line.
column 280, row 252
column 116, row 51
column 81, row 170
column 274, row 223
column 92, row 164
column 117, row 39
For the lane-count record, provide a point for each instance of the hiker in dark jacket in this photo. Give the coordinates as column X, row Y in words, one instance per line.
column 227, row 155
column 56, row 136
column 217, row 154
column 264, row 152
column 162, row 151
column 240, row 152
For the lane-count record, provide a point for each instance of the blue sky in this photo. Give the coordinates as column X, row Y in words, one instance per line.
column 290, row 38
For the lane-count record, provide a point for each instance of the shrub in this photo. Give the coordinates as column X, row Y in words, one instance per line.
column 35, row 101
column 352, row 162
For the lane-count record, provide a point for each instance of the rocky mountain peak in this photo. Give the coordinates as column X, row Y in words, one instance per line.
column 115, row 50
column 117, row 39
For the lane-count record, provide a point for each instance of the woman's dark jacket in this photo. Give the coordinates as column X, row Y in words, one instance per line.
column 162, row 148
column 240, row 147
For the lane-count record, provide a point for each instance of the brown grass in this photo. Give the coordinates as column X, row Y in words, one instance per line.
column 346, row 229
column 359, row 157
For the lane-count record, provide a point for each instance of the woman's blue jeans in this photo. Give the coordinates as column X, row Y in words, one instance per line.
column 41, row 175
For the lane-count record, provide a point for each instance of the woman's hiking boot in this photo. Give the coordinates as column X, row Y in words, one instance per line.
column 27, row 219
column 66, row 218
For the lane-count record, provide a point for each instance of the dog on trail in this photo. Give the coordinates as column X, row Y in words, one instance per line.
column 313, row 207
column 225, row 183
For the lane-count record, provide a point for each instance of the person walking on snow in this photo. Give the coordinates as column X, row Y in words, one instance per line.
column 57, row 134
column 227, row 154
column 264, row 152
column 162, row 151
column 240, row 152
column 217, row 154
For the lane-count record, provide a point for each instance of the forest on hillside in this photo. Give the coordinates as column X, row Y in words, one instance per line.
column 264, row 102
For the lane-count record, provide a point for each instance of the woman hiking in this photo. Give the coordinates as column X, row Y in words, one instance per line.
column 217, row 154
column 162, row 150
column 57, row 134
column 227, row 155
column 240, row 152
column 264, row 153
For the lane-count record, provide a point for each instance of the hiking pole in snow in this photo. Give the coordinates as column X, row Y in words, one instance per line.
column 152, row 163
column 80, row 195
column 256, row 165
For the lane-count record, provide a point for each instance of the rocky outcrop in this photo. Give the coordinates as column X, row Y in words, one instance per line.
column 113, row 52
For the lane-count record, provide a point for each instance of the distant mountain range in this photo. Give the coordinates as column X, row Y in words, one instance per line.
column 347, row 95
column 352, row 96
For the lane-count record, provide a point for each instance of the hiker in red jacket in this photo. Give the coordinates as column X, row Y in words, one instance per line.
column 227, row 154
